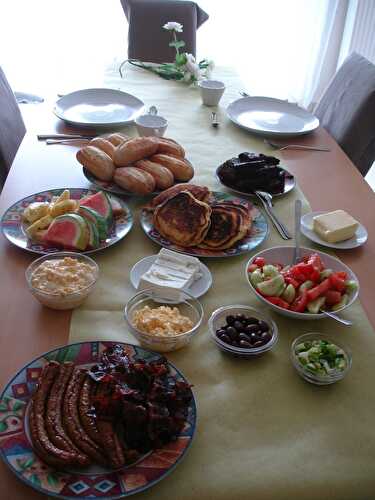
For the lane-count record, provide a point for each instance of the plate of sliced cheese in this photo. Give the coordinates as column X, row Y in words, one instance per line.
column 336, row 229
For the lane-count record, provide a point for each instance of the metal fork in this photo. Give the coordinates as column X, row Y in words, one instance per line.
column 280, row 147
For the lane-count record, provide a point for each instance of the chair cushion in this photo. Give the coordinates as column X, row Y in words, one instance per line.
column 147, row 40
column 12, row 127
column 347, row 110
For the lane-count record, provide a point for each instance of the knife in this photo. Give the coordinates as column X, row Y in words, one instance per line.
column 42, row 137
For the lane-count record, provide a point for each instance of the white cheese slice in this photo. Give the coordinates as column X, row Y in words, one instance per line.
column 336, row 226
column 172, row 271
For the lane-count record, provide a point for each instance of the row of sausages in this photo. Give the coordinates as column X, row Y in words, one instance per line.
column 140, row 165
column 63, row 431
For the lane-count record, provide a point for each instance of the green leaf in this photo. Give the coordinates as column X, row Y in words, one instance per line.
column 3, row 426
column 177, row 44
column 181, row 59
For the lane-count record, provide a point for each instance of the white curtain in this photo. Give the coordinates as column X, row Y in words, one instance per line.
column 283, row 48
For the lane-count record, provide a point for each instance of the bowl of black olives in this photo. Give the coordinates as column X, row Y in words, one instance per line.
column 242, row 330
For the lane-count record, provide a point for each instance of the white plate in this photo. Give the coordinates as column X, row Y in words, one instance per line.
column 272, row 117
column 197, row 289
column 98, row 108
column 358, row 239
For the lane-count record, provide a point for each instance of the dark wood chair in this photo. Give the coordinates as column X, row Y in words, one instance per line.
column 147, row 40
column 347, row 110
column 12, row 127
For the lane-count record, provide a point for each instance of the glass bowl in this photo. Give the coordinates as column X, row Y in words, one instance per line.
column 62, row 300
column 186, row 304
column 218, row 319
column 314, row 378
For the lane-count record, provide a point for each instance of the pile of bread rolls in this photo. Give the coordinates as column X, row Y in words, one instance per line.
column 139, row 165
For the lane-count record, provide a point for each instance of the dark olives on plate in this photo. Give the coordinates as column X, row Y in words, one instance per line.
column 244, row 332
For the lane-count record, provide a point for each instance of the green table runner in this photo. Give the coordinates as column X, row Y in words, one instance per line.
column 262, row 431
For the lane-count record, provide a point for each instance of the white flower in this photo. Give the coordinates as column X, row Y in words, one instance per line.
column 173, row 26
column 192, row 67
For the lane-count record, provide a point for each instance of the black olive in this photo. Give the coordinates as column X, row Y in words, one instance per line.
column 240, row 317
column 238, row 326
column 254, row 338
column 232, row 332
column 243, row 336
column 220, row 331
column 259, row 343
column 230, row 320
column 263, row 326
column 223, row 337
column 266, row 337
column 245, row 344
column 251, row 329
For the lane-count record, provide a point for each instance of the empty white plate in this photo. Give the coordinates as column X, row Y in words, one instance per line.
column 98, row 108
column 358, row 239
column 197, row 289
column 271, row 117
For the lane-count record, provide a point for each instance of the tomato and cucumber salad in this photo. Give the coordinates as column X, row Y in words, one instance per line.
column 307, row 286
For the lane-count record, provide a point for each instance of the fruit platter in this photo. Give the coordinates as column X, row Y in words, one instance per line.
column 75, row 219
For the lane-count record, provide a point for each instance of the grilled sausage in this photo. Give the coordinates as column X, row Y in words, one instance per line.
column 111, row 443
column 54, row 424
column 84, row 407
column 47, row 451
column 72, row 422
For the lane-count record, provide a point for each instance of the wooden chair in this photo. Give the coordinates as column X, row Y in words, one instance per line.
column 147, row 41
column 12, row 127
column 347, row 110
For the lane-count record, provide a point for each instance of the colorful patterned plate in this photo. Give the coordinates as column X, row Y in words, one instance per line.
column 13, row 230
column 258, row 232
column 94, row 482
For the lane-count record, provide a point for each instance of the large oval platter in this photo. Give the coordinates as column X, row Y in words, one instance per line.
column 13, row 228
column 96, row 481
column 256, row 235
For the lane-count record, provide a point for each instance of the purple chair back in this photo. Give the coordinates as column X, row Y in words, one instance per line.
column 347, row 110
column 12, row 127
column 147, row 40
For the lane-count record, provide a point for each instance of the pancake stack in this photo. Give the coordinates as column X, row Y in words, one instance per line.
column 188, row 221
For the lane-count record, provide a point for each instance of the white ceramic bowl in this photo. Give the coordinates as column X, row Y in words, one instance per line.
column 211, row 91
column 151, row 125
column 284, row 256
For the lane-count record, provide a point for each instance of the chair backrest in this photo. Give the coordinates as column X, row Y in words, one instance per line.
column 12, row 127
column 147, row 41
column 347, row 110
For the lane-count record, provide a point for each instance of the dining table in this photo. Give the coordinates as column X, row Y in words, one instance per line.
column 262, row 431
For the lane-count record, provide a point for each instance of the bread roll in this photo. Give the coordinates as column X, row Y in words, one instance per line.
column 117, row 138
column 104, row 145
column 163, row 177
column 169, row 147
column 134, row 180
column 181, row 169
column 97, row 162
column 134, row 150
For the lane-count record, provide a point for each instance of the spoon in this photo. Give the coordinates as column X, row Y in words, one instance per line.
column 281, row 147
column 345, row 322
column 297, row 230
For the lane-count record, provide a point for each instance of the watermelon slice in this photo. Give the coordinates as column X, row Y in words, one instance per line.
column 93, row 235
column 101, row 204
column 98, row 220
column 68, row 231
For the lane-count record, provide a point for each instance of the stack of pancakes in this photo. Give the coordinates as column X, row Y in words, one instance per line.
column 188, row 217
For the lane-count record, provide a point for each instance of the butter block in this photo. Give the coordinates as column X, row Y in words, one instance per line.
column 334, row 227
column 171, row 271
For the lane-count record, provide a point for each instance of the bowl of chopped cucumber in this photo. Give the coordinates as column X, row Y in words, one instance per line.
column 317, row 282
column 320, row 360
